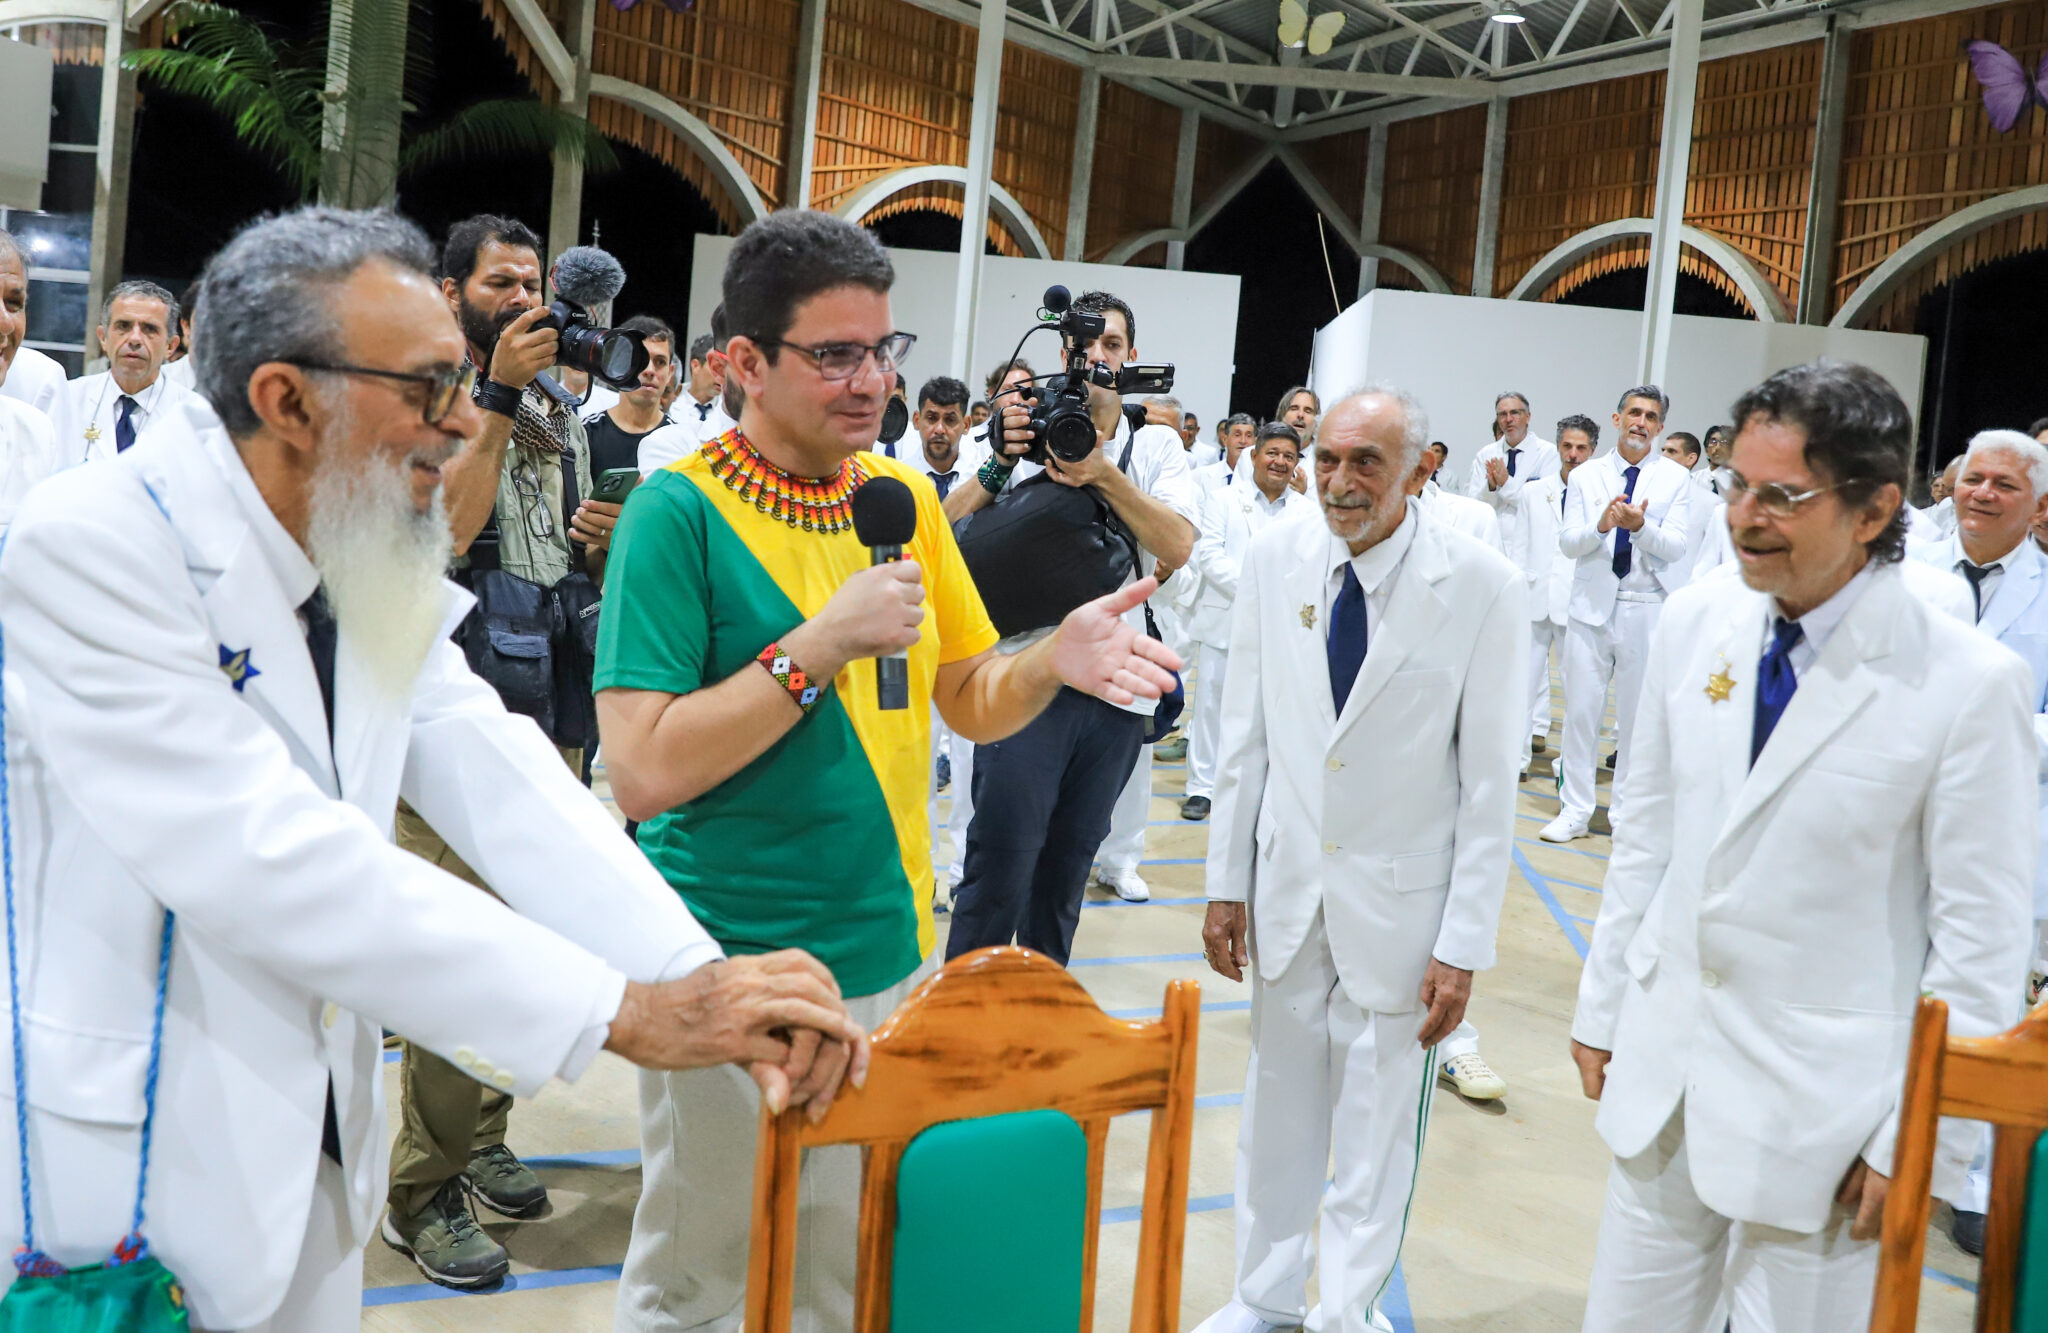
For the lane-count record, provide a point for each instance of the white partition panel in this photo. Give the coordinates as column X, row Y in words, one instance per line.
column 1456, row 352
column 1188, row 319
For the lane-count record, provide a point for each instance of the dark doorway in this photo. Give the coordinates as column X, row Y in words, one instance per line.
column 1984, row 352
column 1268, row 236
column 921, row 229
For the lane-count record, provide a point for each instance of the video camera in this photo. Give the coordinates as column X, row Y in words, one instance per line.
column 1060, row 424
column 586, row 276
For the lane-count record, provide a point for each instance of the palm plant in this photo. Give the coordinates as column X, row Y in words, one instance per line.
column 329, row 109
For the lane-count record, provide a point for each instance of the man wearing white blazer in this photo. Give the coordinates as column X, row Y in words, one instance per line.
column 215, row 717
column 1550, row 591
column 1628, row 519
column 1364, row 815
column 2000, row 490
column 1832, row 811
column 1231, row 516
column 1503, row 471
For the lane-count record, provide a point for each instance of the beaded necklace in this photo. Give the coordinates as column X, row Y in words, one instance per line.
column 819, row 504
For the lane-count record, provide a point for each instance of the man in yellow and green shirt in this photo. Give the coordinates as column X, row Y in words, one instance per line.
column 737, row 705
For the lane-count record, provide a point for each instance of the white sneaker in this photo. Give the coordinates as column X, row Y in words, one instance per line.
column 1126, row 885
column 1235, row 1318
column 1564, row 828
column 1473, row 1078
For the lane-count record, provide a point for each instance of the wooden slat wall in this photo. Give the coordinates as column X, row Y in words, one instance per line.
column 75, row 43
column 896, row 91
column 515, row 43
column 1135, row 143
column 1040, row 103
column 1431, row 204
column 1752, row 157
column 1338, row 161
column 1919, row 146
column 1219, row 152
column 1576, row 158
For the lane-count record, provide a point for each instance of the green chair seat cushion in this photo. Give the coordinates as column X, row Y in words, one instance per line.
column 991, row 1220
column 2030, row 1312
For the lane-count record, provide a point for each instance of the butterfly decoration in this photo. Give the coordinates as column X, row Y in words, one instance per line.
column 2008, row 88
column 1294, row 23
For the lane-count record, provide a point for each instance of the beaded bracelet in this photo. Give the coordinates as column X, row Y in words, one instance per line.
column 994, row 473
column 790, row 677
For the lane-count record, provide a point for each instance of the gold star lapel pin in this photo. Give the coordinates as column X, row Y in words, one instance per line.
column 1308, row 615
column 1720, row 685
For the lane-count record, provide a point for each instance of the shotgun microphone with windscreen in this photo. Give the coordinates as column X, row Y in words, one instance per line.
column 885, row 520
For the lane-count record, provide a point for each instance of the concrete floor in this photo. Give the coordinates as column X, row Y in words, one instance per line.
column 1501, row 1236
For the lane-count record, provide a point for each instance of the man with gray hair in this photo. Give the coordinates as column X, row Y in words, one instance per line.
column 26, row 375
column 28, row 443
column 2001, row 490
column 1364, row 814
column 226, row 703
column 100, row 415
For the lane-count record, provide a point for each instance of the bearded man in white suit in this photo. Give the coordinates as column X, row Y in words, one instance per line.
column 1364, row 815
column 1831, row 813
column 215, row 716
column 1628, row 522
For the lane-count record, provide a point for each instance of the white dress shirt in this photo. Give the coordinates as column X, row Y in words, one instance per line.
column 1993, row 572
column 694, row 423
column 966, row 462
column 1377, row 568
column 1816, row 625
column 28, row 453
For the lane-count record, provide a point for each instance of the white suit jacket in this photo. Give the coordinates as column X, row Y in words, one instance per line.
column 1550, row 592
column 34, row 378
column 169, row 749
column 1461, row 513
column 2016, row 616
column 1395, row 819
column 1765, row 933
column 1665, row 489
column 1535, row 462
column 1231, row 516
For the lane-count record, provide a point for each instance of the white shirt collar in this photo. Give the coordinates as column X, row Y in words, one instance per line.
column 1816, row 625
column 2003, row 563
column 1375, row 564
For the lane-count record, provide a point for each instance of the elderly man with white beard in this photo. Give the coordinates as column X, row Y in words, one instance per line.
column 208, row 726
column 1365, row 810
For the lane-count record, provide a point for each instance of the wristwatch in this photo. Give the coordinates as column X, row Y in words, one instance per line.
column 503, row 399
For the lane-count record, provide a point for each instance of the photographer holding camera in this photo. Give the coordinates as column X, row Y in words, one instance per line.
column 527, row 533
column 1043, row 797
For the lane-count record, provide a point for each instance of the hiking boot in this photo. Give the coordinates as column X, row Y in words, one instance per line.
column 504, row 1184
column 446, row 1243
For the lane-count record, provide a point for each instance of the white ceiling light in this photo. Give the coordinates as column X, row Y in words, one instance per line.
column 1509, row 12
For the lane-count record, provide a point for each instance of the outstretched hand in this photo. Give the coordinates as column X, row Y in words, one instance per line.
column 1097, row 652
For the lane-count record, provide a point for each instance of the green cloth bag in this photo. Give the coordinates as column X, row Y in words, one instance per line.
column 139, row 1297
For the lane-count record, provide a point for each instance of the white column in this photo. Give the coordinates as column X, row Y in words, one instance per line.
column 111, row 173
column 565, row 200
column 1369, row 207
column 1081, row 182
column 803, row 106
column 1824, row 193
column 362, row 122
column 1492, row 165
column 981, row 145
column 1184, row 184
column 1672, row 164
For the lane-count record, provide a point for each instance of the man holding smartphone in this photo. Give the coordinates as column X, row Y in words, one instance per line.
column 616, row 432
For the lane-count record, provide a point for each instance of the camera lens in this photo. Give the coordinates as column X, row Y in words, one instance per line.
column 1070, row 435
column 620, row 357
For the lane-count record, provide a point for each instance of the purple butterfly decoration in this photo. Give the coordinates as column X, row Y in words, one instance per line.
column 2008, row 90
column 675, row 6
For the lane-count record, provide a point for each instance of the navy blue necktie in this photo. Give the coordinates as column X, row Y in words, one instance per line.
column 124, row 425
column 704, row 410
column 1976, row 574
column 944, row 481
column 1511, row 461
column 1346, row 647
column 1229, row 477
column 1624, row 558
column 1775, row 683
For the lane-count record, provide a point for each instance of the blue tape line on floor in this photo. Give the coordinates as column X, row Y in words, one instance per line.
column 557, row 1277
column 1135, row 958
column 1542, row 888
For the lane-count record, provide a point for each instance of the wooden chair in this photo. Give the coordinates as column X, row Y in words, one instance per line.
column 995, row 1032
column 2003, row 1080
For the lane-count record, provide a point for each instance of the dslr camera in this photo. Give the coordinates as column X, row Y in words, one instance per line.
column 1060, row 424
column 586, row 276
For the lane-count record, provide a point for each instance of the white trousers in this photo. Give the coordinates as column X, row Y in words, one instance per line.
column 961, row 788
column 686, row 1265
column 1325, row 1074
column 1666, row 1261
column 1542, row 634
column 1205, row 735
column 1125, row 845
column 326, row 1292
column 1594, row 655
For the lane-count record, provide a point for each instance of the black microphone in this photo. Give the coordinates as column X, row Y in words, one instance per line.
column 885, row 519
